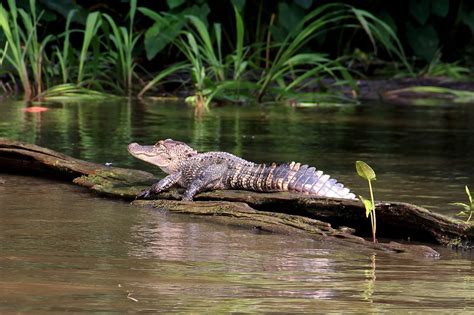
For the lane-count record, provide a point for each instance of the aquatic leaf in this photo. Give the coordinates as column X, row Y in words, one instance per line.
column 365, row 171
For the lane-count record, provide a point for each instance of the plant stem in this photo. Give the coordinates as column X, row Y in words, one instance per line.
column 372, row 213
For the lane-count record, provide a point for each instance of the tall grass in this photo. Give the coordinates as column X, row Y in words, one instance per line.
column 64, row 56
column 290, row 62
column 190, row 49
column 26, row 51
column 214, row 74
column 16, row 38
column 105, row 59
column 93, row 23
column 124, row 41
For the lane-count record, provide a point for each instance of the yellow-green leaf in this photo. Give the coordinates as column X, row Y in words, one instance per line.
column 461, row 204
column 368, row 206
column 469, row 195
column 364, row 170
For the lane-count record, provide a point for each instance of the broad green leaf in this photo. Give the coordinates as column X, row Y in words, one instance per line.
column 440, row 7
column 174, row 3
column 200, row 12
column 63, row 7
column 162, row 33
column 289, row 16
column 364, row 170
column 423, row 40
column 151, row 14
column 420, row 10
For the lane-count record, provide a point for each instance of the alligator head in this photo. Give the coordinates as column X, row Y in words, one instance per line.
column 166, row 154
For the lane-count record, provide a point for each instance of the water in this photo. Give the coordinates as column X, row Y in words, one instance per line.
column 65, row 249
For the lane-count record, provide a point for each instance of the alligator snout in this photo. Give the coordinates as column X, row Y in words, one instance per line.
column 133, row 147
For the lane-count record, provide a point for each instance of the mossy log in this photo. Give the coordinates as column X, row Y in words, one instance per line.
column 290, row 213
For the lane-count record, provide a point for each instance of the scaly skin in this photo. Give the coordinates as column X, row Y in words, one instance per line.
column 198, row 172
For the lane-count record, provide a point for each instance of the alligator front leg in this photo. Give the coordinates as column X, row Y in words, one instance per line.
column 163, row 184
column 209, row 179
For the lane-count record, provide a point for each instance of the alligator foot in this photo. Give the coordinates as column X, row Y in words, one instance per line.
column 145, row 194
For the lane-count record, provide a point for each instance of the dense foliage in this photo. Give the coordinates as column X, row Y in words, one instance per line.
column 227, row 49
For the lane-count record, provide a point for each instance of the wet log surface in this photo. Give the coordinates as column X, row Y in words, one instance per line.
column 332, row 220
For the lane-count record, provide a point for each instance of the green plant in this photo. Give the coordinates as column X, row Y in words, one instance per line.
column 163, row 74
column 64, row 55
column 25, row 51
column 70, row 91
column 202, row 49
column 191, row 51
column 93, row 23
column 366, row 172
column 4, row 53
column 437, row 68
column 124, row 41
column 468, row 208
column 290, row 62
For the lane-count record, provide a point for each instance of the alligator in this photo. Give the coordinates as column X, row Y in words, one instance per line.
column 197, row 172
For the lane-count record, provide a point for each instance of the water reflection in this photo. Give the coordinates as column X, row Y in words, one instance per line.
column 421, row 154
column 65, row 250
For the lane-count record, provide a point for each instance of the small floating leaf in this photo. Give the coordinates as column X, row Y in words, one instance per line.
column 364, row 170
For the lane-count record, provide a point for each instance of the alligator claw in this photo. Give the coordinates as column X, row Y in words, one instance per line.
column 144, row 194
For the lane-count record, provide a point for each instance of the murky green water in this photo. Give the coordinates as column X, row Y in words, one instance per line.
column 62, row 249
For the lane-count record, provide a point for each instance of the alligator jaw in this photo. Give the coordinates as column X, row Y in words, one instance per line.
column 147, row 153
column 135, row 149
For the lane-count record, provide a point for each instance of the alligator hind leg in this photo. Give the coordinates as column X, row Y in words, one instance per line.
column 158, row 187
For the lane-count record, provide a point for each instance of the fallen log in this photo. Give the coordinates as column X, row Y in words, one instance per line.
column 289, row 213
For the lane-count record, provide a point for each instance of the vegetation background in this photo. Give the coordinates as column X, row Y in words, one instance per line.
column 228, row 50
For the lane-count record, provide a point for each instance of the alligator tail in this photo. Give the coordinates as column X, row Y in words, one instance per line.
column 291, row 177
